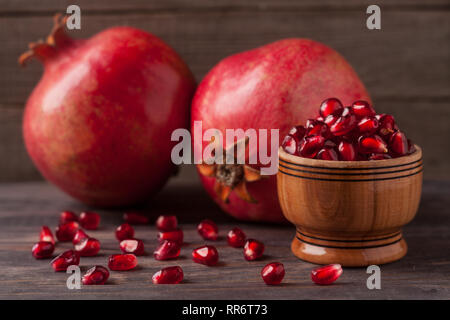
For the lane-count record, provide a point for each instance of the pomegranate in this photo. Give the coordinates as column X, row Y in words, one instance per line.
column 124, row 231
column 67, row 231
column 65, row 259
column 176, row 235
column 253, row 249
column 272, row 87
column 122, row 262
column 167, row 250
column 89, row 220
column 236, row 238
column 167, row 223
column 95, row 276
column 43, row 249
column 99, row 123
column 67, row 216
column 80, row 235
column 134, row 246
column 87, row 247
column 273, row 273
column 206, row 255
column 46, row 235
column 208, row 230
column 327, row 274
column 168, row 275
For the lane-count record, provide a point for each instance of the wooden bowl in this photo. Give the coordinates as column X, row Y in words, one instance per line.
column 349, row 212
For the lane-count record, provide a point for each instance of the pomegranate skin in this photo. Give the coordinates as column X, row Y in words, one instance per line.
column 99, row 122
column 276, row 86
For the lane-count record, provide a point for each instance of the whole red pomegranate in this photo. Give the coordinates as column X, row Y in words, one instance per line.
column 272, row 87
column 99, row 122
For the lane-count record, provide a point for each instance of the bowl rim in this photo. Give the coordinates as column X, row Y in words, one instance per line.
column 318, row 163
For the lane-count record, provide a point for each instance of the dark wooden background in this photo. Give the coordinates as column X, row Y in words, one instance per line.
column 405, row 65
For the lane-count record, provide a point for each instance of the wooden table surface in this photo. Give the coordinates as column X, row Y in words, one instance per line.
column 423, row 274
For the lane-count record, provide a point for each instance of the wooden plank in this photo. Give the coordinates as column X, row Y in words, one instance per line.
column 406, row 58
column 422, row 274
column 425, row 122
column 108, row 6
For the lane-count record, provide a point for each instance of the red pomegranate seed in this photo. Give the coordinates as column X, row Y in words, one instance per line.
column 327, row 274
column 124, row 231
column 290, row 144
column 65, row 259
column 330, row 119
column 88, row 247
column 318, row 128
column 368, row 125
column 327, row 154
column 236, row 238
column 253, row 250
column 134, row 246
column 43, row 249
column 79, row 236
column 398, row 144
column 330, row 106
column 67, row 216
column 298, row 132
column 344, row 124
column 89, row 220
column 168, row 275
column 46, row 235
column 208, row 230
column 329, row 144
column 176, row 236
column 95, row 276
column 206, row 255
column 347, row 151
column 66, row 231
column 363, row 109
column 311, row 145
column 135, row 218
column 387, row 125
column 167, row 223
column 379, row 156
column 372, row 144
column 273, row 273
column 167, row 250
column 122, row 262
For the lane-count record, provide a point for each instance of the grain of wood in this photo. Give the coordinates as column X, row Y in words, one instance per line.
column 24, row 207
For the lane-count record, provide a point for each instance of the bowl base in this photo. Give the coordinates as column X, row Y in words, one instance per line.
column 349, row 252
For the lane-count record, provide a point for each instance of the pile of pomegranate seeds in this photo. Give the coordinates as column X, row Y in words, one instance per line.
column 327, row 274
column 208, row 230
column 352, row 133
column 273, row 273
column 170, row 240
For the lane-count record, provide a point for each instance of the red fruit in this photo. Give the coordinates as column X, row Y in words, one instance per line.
column 88, row 247
column 169, row 275
column 311, row 145
column 372, row 144
column 95, row 276
column 79, row 236
column 379, row 156
column 124, row 231
column 67, row 216
column 331, row 119
column 273, row 273
column 167, row 223
column 43, row 249
column 327, row 154
column 398, row 144
column 206, row 255
column 46, row 235
column 387, row 125
column 167, row 250
column 134, row 246
column 347, row 151
column 97, row 99
column 89, row 220
column 344, row 124
column 327, row 274
column 122, row 262
column 65, row 259
column 253, row 250
column 135, row 218
column 208, row 230
column 316, row 127
column 236, row 238
column 330, row 106
column 290, row 144
column 276, row 86
column 298, row 132
column 67, row 231
column 368, row 125
column 176, row 236
column 363, row 109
